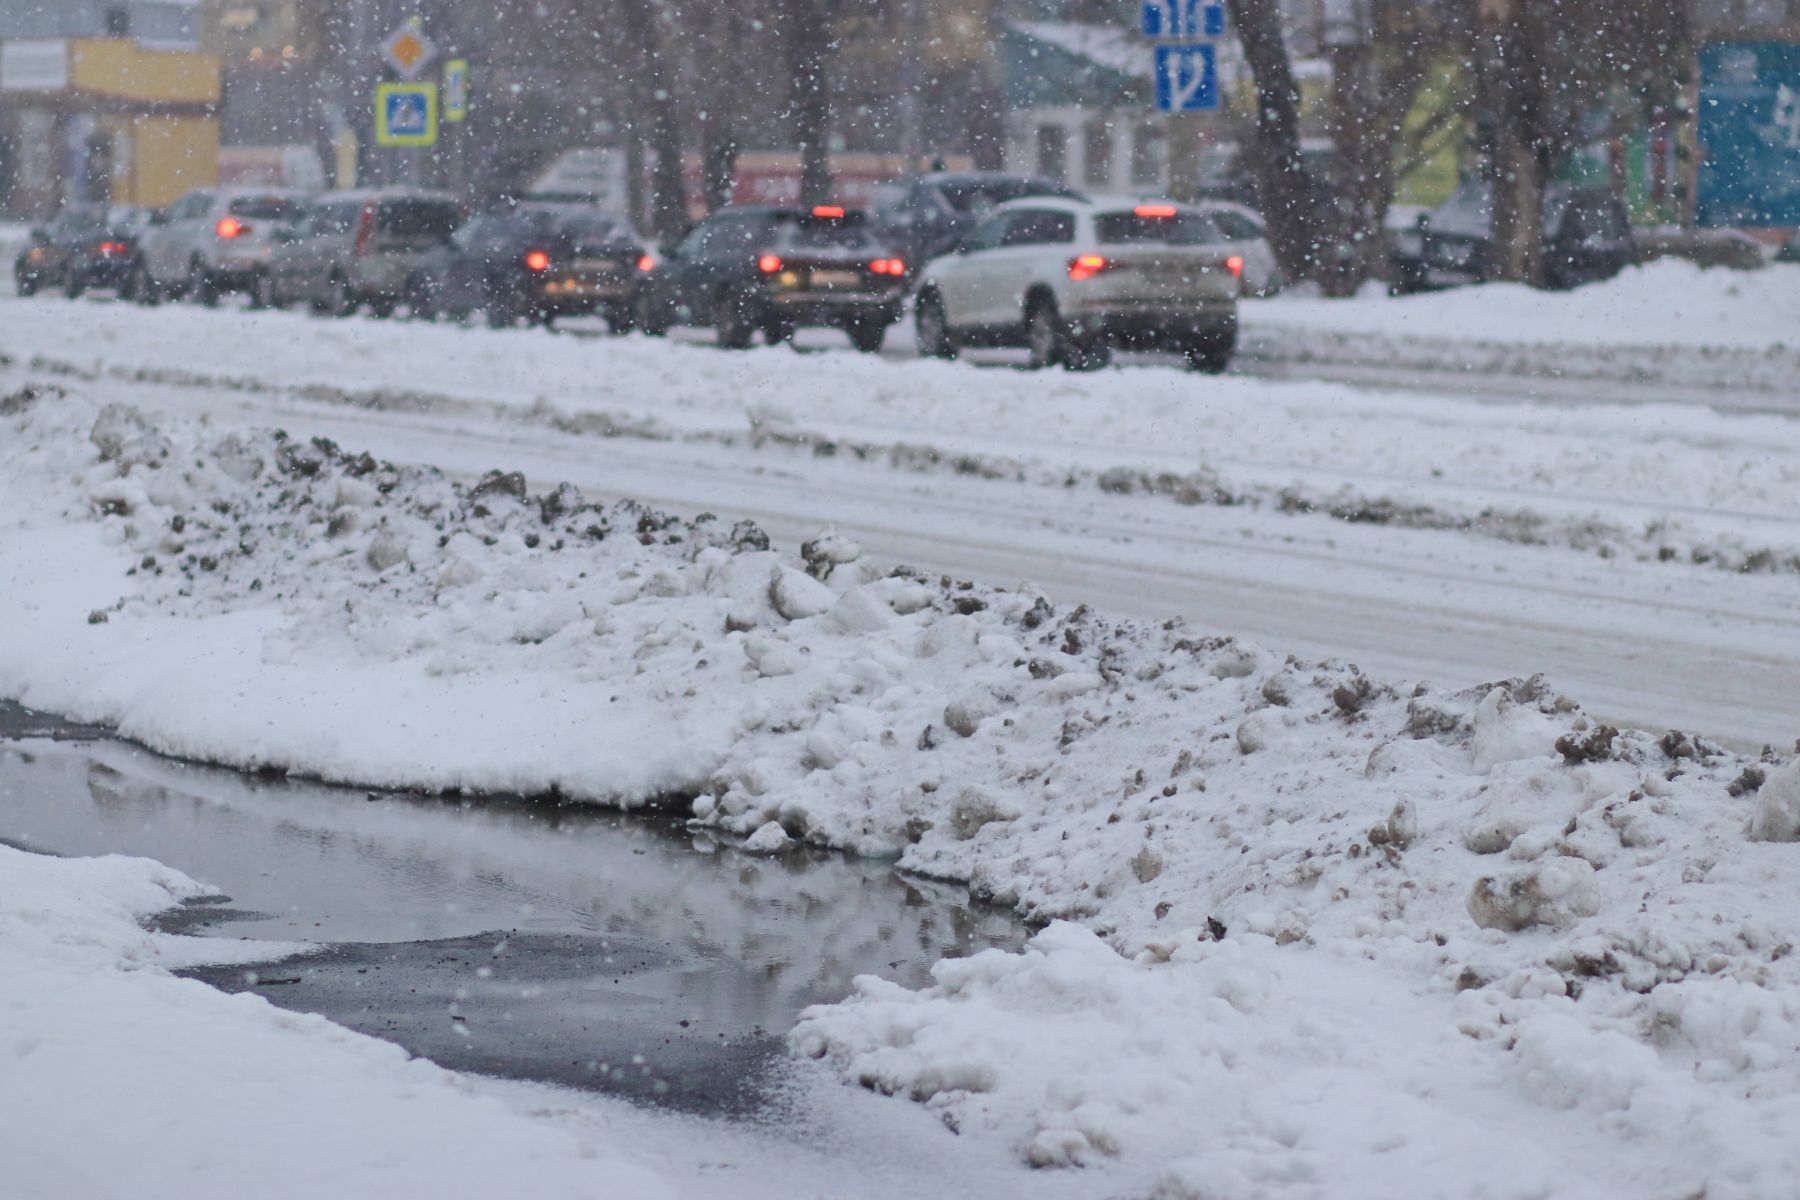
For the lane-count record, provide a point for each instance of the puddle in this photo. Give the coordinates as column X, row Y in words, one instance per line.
column 557, row 944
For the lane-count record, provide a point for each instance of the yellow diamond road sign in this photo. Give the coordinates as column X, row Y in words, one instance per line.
column 408, row 50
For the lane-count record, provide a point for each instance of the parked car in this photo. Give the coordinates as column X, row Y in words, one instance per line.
column 1587, row 237
column 1242, row 231
column 355, row 248
column 1070, row 279
column 924, row 216
column 211, row 242
column 753, row 267
column 86, row 246
column 537, row 262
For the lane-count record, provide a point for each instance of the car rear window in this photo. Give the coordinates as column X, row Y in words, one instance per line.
column 268, row 208
column 418, row 218
column 592, row 233
column 811, row 233
column 1183, row 229
column 990, row 193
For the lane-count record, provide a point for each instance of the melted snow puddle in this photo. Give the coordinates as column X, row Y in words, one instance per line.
column 565, row 945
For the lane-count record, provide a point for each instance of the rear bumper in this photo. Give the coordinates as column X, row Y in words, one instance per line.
column 1150, row 324
column 826, row 308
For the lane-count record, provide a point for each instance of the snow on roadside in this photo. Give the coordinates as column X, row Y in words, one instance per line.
column 1312, row 933
column 123, row 1081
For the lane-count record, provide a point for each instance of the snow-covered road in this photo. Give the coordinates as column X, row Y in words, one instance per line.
column 1474, row 540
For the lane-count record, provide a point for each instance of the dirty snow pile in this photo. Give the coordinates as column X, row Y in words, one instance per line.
column 105, row 1051
column 1309, row 934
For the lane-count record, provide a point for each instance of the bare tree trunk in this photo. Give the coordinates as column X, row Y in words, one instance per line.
column 719, row 132
column 1513, row 94
column 1376, row 84
column 657, row 117
column 1281, row 179
column 807, row 26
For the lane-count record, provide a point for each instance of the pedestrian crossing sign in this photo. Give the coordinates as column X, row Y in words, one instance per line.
column 406, row 114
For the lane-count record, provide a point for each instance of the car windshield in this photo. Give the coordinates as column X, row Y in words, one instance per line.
column 980, row 196
column 1129, row 227
column 815, row 234
column 419, row 218
column 268, row 208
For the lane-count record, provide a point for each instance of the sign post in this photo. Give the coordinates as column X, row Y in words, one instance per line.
column 1186, row 55
column 406, row 114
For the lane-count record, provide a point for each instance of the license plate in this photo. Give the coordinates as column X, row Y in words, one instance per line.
column 836, row 279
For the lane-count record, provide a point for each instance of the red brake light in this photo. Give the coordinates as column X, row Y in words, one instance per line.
column 537, row 260
column 830, row 212
column 230, row 227
column 768, row 264
column 1154, row 210
column 113, row 248
column 1087, row 266
column 646, row 263
column 365, row 230
column 1235, row 264
column 888, row 266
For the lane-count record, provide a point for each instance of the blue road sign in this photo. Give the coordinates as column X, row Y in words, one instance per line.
column 406, row 114
column 1187, row 78
column 1183, row 18
column 1749, row 134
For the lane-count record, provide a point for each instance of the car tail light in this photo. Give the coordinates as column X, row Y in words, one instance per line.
column 1154, row 211
column 888, row 266
column 537, row 260
column 230, row 227
column 113, row 249
column 1235, row 264
column 828, row 212
column 646, row 263
column 365, row 231
column 1087, row 266
column 769, row 264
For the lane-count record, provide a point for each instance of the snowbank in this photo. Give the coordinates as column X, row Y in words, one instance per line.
column 123, row 1081
column 1664, row 303
column 1336, row 936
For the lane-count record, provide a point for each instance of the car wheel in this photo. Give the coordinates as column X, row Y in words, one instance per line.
column 620, row 319
column 732, row 320
column 1210, row 358
column 26, row 285
column 1091, row 356
column 74, row 283
column 383, row 307
column 867, row 333
column 503, row 309
column 421, row 304
column 1044, row 336
column 649, row 316
column 777, row 332
column 932, row 327
column 264, row 293
column 202, row 286
column 340, row 301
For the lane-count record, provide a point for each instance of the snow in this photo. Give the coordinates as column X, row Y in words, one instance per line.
column 122, row 1080
column 1309, row 932
column 1665, row 303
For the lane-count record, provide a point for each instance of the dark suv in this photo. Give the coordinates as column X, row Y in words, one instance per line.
column 925, row 216
column 1587, row 237
column 86, row 246
column 750, row 267
column 535, row 262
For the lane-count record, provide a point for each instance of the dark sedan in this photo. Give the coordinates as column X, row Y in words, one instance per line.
column 535, row 262
column 750, row 268
column 86, row 246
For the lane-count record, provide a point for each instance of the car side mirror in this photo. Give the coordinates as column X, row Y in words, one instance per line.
column 40, row 236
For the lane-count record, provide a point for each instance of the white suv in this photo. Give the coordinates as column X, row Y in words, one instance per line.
column 212, row 241
column 1070, row 279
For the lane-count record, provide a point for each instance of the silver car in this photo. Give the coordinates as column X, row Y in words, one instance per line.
column 358, row 248
column 210, row 242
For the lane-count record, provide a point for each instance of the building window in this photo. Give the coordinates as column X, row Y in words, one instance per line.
column 1097, row 153
column 1053, row 152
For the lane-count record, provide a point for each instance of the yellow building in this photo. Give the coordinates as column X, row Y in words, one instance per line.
column 92, row 119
